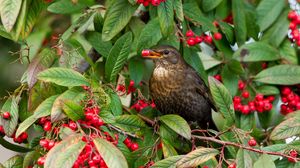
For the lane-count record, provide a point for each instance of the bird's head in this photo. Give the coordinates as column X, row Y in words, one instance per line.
column 164, row 55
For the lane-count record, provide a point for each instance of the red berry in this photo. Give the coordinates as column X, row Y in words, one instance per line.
column 145, row 53
column 155, row 2
column 47, row 126
column 237, row 99
column 127, row 141
column 264, row 65
column 245, row 109
column 218, row 77
column 268, row 106
column 1, row 130
column 292, row 15
column 198, row 39
column 6, row 115
column 245, row 94
column 293, row 26
column 232, row 165
column 24, row 136
column 217, row 36
column 43, row 120
column 44, row 143
column 191, row 41
column 189, row 33
column 205, row 167
column 72, row 125
column 41, row 161
column 208, row 39
column 259, row 97
column 241, row 85
column 252, row 142
column 84, row 87
column 216, row 24
column 134, row 146
column 293, row 154
column 97, row 158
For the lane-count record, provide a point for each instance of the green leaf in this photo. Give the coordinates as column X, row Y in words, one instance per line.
column 230, row 79
column 133, row 2
column 68, row 7
column 102, row 47
column 149, row 36
column 10, row 125
column 256, row 51
column 130, row 122
column 247, row 122
column 13, row 147
column 178, row 9
column 9, row 11
column 73, row 94
column 192, row 11
column 265, row 161
column 223, row 100
column 112, row 156
column 239, row 20
column 267, row 12
column 228, row 31
column 243, row 159
column 136, row 70
column 14, row 162
column 166, row 17
column 280, row 75
column 73, row 110
column 169, row 162
column 197, row 157
column 39, row 63
column 30, row 158
column 177, row 124
column 286, row 129
column 115, row 104
column 267, row 90
column 65, row 153
column 63, row 77
column 117, row 57
column 168, row 149
column 279, row 30
column 41, row 111
column 208, row 5
column 116, row 18
column 288, row 53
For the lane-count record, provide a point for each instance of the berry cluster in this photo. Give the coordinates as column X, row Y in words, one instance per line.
column 290, row 100
column 141, row 104
column 122, row 88
column 91, row 117
column 152, row 2
column 193, row 39
column 131, row 145
column 293, row 154
column 259, row 104
column 47, row 144
column 45, row 123
column 295, row 21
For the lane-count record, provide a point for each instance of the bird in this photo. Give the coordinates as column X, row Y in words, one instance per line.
column 176, row 88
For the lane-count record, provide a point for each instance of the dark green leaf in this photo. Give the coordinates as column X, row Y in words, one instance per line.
column 228, row 31
column 130, row 122
column 230, row 80
column 256, row 51
column 280, row 74
column 136, row 70
column 9, row 10
column 247, row 122
column 41, row 111
column 208, row 5
column 73, row 110
column 13, row 147
column 178, row 9
column 100, row 46
column 197, row 157
column 168, row 149
column 116, row 18
column 30, row 158
column 63, row 77
column 223, row 100
column 166, row 17
column 265, row 161
column 267, row 90
column 239, row 20
column 169, row 162
column 177, row 124
column 115, row 104
column 68, row 7
column 149, row 36
column 268, row 11
column 112, row 156
column 10, row 125
column 288, row 52
column 117, row 57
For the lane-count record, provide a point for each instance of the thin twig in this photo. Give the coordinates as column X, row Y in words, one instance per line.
column 226, row 143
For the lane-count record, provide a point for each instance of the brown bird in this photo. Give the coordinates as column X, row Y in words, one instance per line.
column 176, row 88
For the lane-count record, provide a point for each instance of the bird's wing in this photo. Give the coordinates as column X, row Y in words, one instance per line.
column 201, row 88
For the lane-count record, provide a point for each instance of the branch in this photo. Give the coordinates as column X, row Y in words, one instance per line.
column 226, row 143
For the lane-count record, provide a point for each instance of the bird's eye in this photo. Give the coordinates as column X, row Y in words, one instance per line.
column 166, row 52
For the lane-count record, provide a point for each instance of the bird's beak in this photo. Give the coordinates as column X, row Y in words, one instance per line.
column 151, row 54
